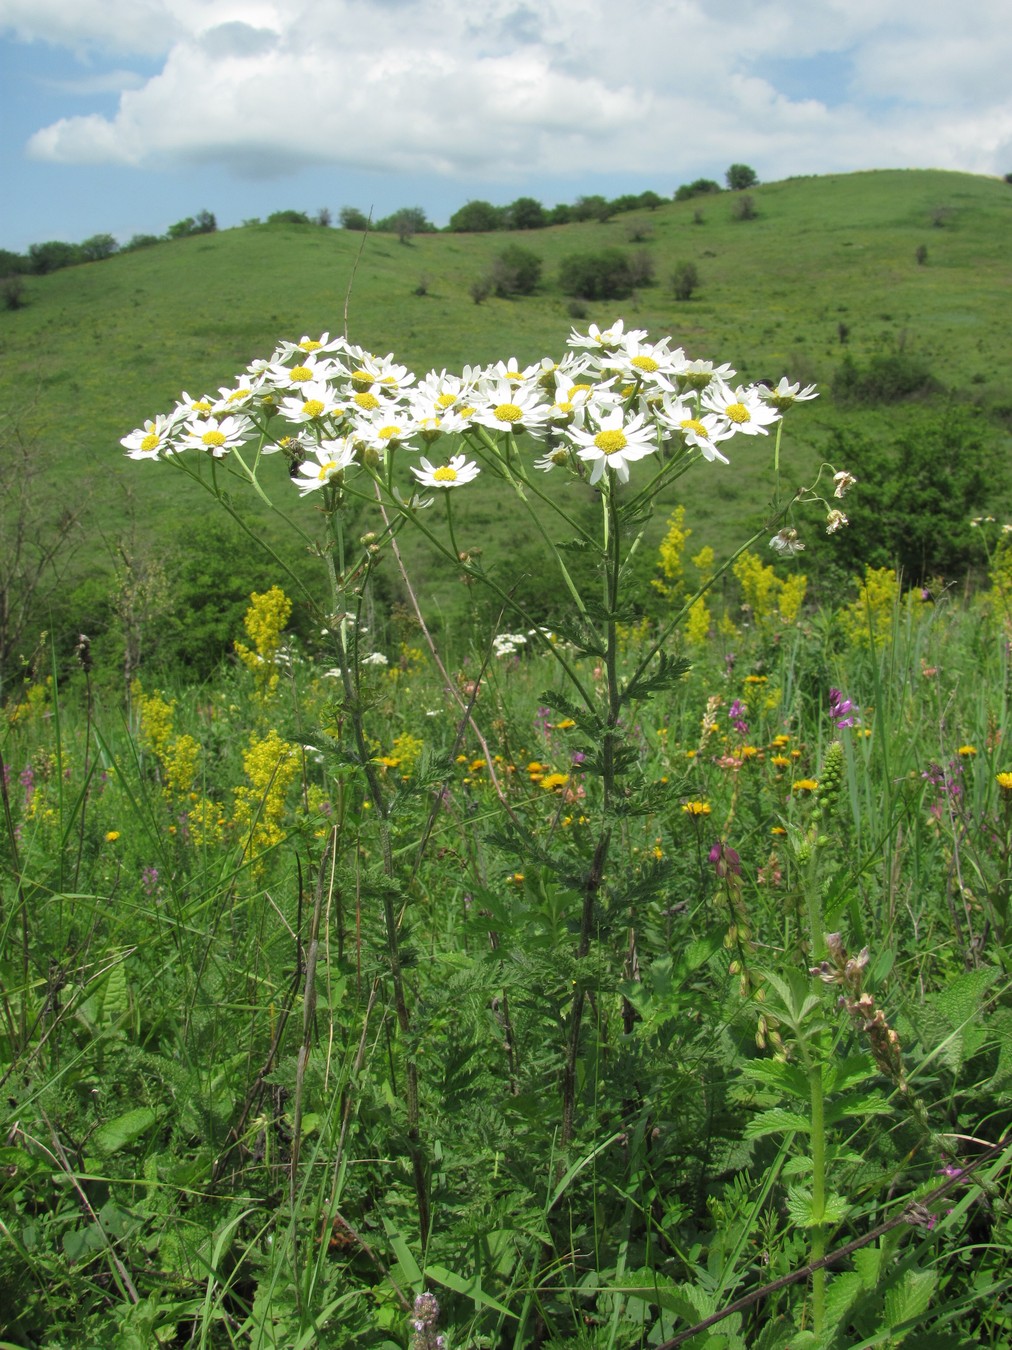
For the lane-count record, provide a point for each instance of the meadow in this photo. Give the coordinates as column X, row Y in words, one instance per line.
column 604, row 945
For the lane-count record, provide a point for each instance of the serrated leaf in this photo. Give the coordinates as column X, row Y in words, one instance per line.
column 776, row 1073
column 776, row 1121
column 906, row 1301
column 857, row 1104
column 799, row 1207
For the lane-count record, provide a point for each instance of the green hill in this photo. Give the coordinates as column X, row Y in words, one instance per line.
column 828, row 269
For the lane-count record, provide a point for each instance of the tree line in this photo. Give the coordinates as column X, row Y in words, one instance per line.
column 474, row 217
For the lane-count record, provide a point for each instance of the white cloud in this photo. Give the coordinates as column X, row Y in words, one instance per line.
column 470, row 88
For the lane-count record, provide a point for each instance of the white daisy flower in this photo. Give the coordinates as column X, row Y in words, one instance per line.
column 217, row 435
column 503, row 406
column 783, row 394
column 701, row 430
column 610, row 339
column 312, row 403
column 332, row 458
column 154, row 436
column 458, row 471
column 615, row 445
column 743, row 408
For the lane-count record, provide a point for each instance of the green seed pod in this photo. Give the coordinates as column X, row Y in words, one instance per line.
column 830, row 780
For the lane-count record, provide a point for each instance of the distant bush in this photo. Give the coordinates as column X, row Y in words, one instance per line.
column 288, row 218
column 561, row 214
column 921, row 255
column 740, row 176
column 11, row 264
column 98, row 247
column 203, row 223
column 891, row 378
column 702, row 187
column 52, row 256
column 526, row 213
column 323, row 218
column 685, row 280
column 914, row 499
column 480, row 289
column 642, row 267
column 596, row 276
column 141, row 241
column 515, row 271
column 476, row 217
column 351, row 218
column 594, row 207
column 12, row 292
column 744, row 208
column 406, row 223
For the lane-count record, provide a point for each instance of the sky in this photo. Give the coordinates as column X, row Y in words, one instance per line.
column 123, row 116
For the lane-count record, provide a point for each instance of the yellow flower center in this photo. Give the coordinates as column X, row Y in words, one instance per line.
column 213, row 438
column 299, row 374
column 201, row 405
column 646, row 363
column 611, row 442
column 361, row 377
column 313, row 407
column 237, row 394
column 445, row 474
column 367, row 401
column 579, row 389
column 327, row 469
column 388, row 433
column 693, row 424
column 446, row 400
column 737, row 412
column 508, row 412
column 150, row 442
column 310, row 345
column 466, row 411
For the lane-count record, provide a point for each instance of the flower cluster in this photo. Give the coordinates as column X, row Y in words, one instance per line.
column 334, row 409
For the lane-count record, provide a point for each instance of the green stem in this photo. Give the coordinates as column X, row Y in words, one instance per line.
column 819, row 1230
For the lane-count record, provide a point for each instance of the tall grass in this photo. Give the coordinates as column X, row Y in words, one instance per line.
column 208, row 1137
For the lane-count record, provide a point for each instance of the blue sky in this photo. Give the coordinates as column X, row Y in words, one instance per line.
column 122, row 116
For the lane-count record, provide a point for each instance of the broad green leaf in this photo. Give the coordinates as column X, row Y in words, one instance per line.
column 123, row 1131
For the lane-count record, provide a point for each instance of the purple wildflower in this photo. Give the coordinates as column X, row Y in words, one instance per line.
column 725, row 859
column 841, row 710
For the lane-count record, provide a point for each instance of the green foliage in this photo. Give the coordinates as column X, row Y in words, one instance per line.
column 137, row 241
column 99, row 246
column 405, row 223
column 51, row 256
column 203, row 223
column 685, row 280
column 744, row 208
column 526, row 213
column 12, row 264
column 605, row 275
column 515, row 271
column 740, row 176
column 915, row 498
column 702, row 187
column 476, row 217
column 890, row 377
column 12, row 292
column 352, row 218
column 288, row 218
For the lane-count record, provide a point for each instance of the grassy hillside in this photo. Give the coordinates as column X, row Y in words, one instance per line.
column 828, row 268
